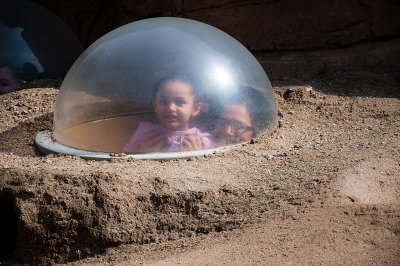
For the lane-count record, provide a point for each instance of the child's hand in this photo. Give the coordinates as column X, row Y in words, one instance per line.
column 152, row 142
column 190, row 143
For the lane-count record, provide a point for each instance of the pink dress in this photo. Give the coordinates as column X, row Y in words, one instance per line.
column 175, row 138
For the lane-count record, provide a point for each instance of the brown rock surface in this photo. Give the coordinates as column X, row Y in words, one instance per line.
column 290, row 38
column 260, row 25
column 377, row 57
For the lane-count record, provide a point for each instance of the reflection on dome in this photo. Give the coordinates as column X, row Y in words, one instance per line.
column 163, row 85
column 34, row 43
column 221, row 77
column 15, row 49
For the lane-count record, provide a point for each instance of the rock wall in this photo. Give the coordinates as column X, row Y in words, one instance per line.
column 64, row 217
column 261, row 25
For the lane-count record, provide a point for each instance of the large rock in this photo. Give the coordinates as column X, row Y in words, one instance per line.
column 66, row 216
column 377, row 57
column 259, row 25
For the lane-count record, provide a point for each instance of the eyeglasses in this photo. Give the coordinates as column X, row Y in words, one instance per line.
column 236, row 126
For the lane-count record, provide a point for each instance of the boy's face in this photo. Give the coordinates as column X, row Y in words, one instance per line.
column 174, row 105
column 233, row 125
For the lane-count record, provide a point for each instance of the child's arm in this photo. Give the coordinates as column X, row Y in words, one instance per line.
column 147, row 138
column 201, row 140
column 191, row 143
column 153, row 141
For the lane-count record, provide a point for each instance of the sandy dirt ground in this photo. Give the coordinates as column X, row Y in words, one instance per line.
column 332, row 166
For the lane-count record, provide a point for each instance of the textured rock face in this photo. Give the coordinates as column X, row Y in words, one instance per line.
column 377, row 57
column 260, row 25
column 64, row 217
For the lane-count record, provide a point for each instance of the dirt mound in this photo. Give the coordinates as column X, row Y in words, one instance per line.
column 374, row 181
column 329, row 136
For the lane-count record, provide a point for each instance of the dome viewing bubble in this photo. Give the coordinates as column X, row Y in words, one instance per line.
column 164, row 85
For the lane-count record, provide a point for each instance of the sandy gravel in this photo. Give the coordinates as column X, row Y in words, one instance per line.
column 322, row 189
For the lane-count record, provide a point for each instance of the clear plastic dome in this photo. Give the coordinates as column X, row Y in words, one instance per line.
column 163, row 85
column 34, row 43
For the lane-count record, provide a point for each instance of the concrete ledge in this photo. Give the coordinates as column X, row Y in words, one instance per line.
column 378, row 57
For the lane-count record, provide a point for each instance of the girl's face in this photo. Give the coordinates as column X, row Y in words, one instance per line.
column 174, row 105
